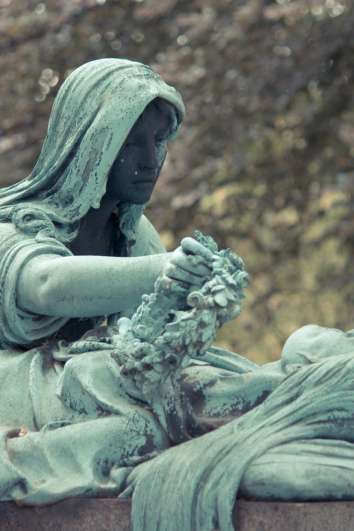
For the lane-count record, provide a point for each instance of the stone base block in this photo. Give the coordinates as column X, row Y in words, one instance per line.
column 112, row 515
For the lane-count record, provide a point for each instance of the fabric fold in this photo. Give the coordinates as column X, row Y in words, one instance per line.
column 313, row 402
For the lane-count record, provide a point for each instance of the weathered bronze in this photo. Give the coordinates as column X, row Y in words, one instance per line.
column 108, row 383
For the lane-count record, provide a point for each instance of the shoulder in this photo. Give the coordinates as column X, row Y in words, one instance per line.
column 18, row 248
column 9, row 236
column 148, row 240
column 7, row 230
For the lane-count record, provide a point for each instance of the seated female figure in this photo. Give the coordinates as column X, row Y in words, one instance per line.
column 76, row 251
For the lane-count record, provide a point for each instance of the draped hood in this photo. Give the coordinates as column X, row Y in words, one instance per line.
column 92, row 115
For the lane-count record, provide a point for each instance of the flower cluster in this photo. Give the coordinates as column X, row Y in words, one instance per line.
column 160, row 339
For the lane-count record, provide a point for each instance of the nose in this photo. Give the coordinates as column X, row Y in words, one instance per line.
column 148, row 160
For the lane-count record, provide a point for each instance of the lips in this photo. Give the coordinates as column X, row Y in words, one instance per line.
column 146, row 179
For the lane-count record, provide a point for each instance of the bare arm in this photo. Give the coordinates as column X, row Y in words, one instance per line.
column 86, row 286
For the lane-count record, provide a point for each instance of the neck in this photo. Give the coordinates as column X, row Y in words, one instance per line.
column 99, row 218
column 94, row 228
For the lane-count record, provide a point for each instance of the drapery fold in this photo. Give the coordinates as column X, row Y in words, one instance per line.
column 310, row 414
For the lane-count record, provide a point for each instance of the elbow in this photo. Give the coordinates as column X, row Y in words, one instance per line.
column 44, row 298
column 53, row 297
column 35, row 293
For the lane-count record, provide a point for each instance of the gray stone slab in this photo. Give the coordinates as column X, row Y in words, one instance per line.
column 112, row 515
column 283, row 516
column 77, row 514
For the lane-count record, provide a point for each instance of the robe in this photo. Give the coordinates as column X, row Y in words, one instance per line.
column 68, row 423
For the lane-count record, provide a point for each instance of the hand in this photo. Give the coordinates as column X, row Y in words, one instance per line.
column 189, row 264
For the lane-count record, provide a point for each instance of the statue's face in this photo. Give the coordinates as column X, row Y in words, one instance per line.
column 135, row 171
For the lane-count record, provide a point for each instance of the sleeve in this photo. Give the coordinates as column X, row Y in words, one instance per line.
column 19, row 327
column 148, row 240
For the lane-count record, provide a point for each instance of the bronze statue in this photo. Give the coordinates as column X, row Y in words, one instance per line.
column 109, row 382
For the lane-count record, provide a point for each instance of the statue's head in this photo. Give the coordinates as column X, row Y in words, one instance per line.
column 107, row 133
column 137, row 166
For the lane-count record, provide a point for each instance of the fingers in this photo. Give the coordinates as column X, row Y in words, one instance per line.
column 191, row 263
column 176, row 273
column 191, row 246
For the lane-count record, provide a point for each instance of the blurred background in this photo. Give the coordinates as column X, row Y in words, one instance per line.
column 264, row 160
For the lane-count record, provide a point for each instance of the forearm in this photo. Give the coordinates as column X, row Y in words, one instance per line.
column 87, row 286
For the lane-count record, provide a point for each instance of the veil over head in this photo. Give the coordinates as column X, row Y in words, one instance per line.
column 92, row 115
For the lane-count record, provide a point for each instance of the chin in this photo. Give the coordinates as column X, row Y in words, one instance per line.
column 140, row 199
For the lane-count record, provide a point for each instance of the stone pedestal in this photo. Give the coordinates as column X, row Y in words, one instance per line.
column 77, row 514
column 281, row 516
column 112, row 515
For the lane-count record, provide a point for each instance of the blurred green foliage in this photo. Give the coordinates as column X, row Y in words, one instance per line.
column 264, row 160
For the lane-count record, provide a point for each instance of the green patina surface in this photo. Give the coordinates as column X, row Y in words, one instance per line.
column 144, row 405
